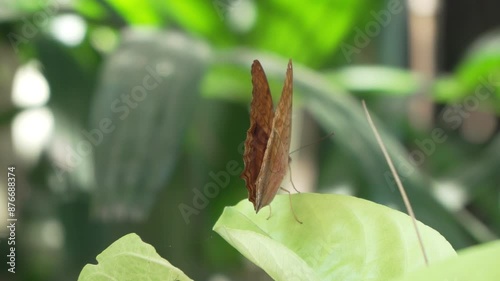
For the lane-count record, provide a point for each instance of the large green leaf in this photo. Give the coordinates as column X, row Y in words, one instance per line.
column 129, row 258
column 341, row 238
column 475, row 263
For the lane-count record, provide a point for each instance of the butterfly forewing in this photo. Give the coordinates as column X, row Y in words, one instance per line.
column 275, row 161
column 261, row 122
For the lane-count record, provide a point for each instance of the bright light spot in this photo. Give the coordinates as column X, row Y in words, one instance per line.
column 241, row 15
column 451, row 194
column 29, row 87
column 218, row 277
column 424, row 8
column 31, row 130
column 52, row 234
column 104, row 39
column 342, row 188
column 69, row 29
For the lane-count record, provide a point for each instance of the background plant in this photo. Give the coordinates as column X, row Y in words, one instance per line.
column 80, row 194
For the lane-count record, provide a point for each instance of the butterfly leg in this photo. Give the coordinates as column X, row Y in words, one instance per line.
column 289, row 160
column 291, row 207
column 268, row 217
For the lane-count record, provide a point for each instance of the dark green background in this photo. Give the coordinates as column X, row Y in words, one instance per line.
column 194, row 121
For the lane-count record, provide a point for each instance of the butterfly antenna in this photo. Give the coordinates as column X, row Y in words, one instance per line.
column 398, row 182
column 313, row 143
column 290, row 159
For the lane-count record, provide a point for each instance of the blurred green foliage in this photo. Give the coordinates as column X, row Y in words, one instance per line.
column 180, row 137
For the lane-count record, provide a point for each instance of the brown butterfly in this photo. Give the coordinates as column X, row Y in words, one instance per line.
column 268, row 138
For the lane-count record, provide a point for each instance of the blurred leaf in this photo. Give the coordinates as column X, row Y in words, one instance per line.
column 341, row 238
column 476, row 174
column 478, row 74
column 129, row 258
column 448, row 88
column 482, row 59
column 200, row 18
column 91, row 9
column 137, row 12
column 475, row 263
column 147, row 96
column 311, row 30
column 18, row 8
column 378, row 79
column 322, row 24
column 478, row 178
column 227, row 82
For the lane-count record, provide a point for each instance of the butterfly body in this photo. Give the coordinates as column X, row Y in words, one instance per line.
column 268, row 138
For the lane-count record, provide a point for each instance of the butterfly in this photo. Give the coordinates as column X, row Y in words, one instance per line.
column 268, row 138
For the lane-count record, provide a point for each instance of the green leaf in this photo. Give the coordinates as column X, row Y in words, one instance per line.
column 475, row 263
column 129, row 258
column 448, row 88
column 324, row 25
column 482, row 59
column 90, row 9
column 199, row 17
column 476, row 75
column 385, row 80
column 341, row 238
column 139, row 12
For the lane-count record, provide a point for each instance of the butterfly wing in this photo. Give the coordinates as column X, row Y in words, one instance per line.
column 275, row 163
column 261, row 119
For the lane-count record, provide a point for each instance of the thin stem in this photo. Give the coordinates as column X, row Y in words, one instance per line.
column 398, row 182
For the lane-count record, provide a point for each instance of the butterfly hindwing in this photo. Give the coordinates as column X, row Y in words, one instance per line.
column 261, row 119
column 275, row 161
